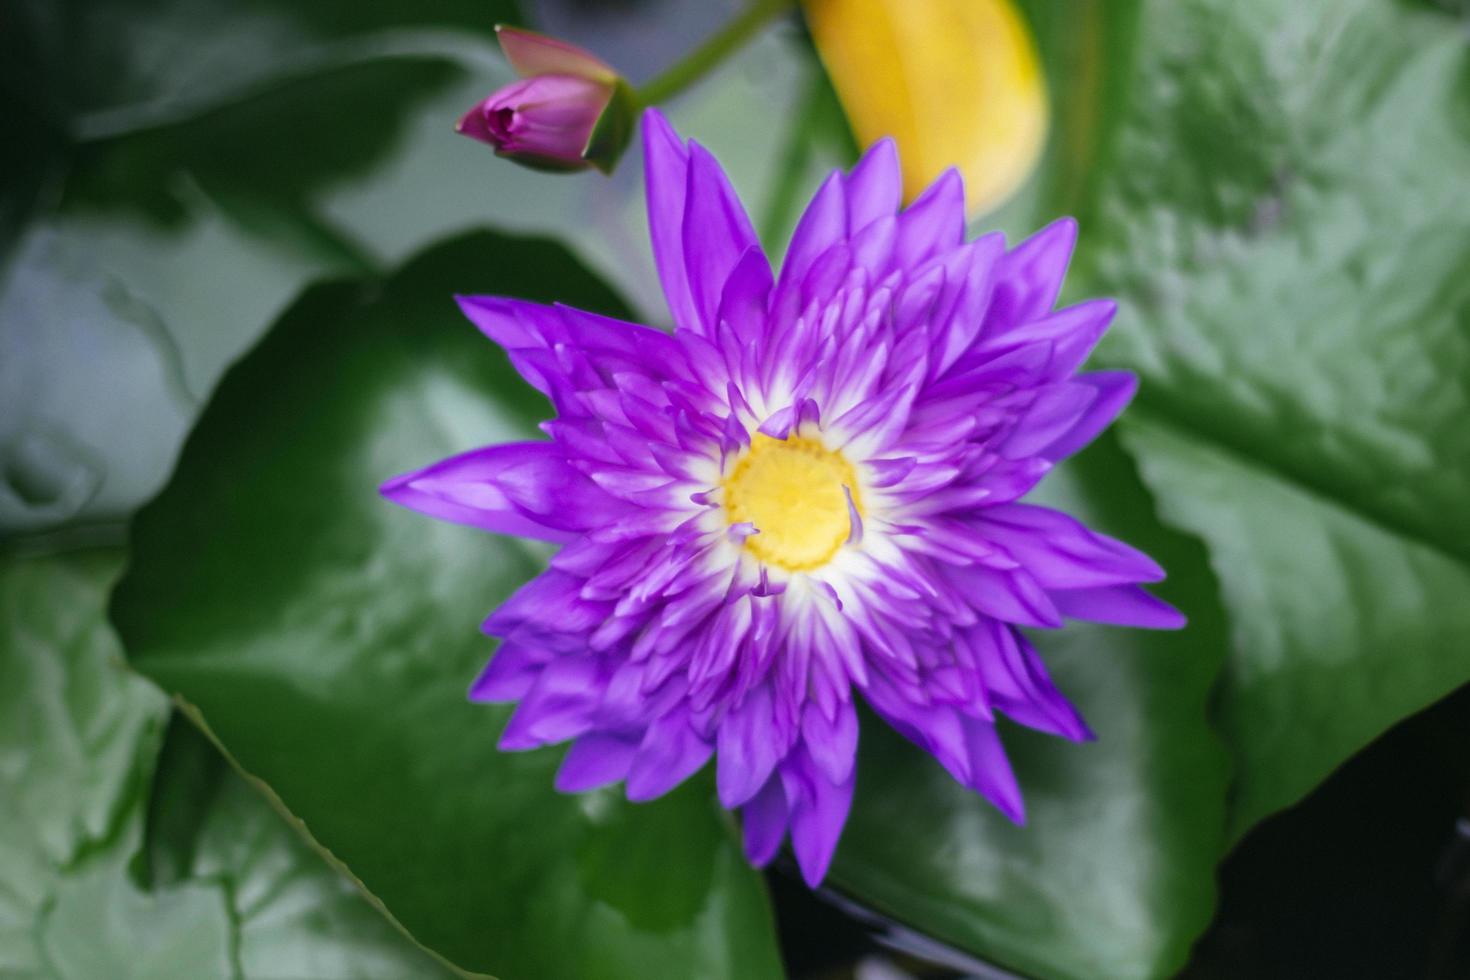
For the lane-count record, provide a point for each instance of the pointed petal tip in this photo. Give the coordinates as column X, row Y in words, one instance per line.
column 1004, row 793
column 508, row 676
column 1065, row 226
column 733, row 789
column 882, row 154
column 1171, row 618
column 394, row 487
column 887, row 145
column 813, row 870
column 1119, row 605
column 762, row 844
column 763, row 823
column 1121, row 385
column 1151, row 572
column 403, row 491
column 480, row 693
column 761, row 860
column 1156, row 614
column 1059, row 718
column 1074, row 728
column 592, row 762
column 470, row 304
column 512, row 740
column 949, row 186
column 564, row 783
column 655, row 123
column 1051, row 246
column 1059, row 236
column 641, row 790
column 1092, row 314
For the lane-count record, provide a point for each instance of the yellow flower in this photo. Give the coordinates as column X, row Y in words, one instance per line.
column 957, row 83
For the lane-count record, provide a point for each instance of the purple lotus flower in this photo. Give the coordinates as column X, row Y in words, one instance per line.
column 548, row 117
column 810, row 490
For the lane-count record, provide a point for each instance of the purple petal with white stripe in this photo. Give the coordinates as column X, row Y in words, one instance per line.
column 808, row 493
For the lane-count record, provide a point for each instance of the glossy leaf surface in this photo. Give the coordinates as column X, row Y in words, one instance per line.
column 1283, row 222
column 1110, row 876
column 327, row 638
column 78, row 736
column 156, row 219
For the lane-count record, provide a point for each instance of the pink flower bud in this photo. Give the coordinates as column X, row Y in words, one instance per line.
column 546, row 119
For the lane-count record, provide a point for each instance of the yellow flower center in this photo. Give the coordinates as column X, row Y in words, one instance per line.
column 791, row 490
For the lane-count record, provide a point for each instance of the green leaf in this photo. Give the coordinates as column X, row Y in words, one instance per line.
column 100, row 924
column 103, row 67
column 1282, row 217
column 77, row 734
column 1111, row 875
column 293, row 915
column 166, row 170
column 167, row 253
column 1343, row 626
column 143, row 255
column 96, row 395
column 1088, row 53
column 815, row 141
column 327, row 638
column 78, row 737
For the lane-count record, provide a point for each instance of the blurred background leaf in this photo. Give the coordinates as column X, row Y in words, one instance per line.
column 293, row 915
column 1087, row 51
column 100, row 70
column 335, row 154
column 114, row 313
column 78, row 737
column 326, row 638
column 1282, row 219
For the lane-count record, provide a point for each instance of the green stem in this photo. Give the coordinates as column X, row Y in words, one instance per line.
column 709, row 54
